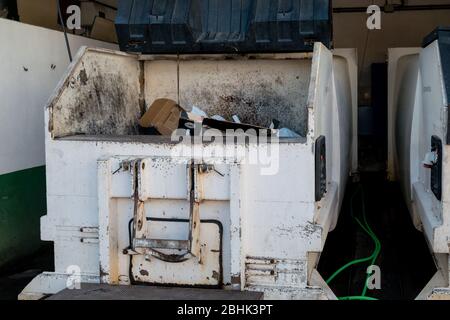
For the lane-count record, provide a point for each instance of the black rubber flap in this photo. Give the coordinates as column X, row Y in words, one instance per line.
column 223, row 26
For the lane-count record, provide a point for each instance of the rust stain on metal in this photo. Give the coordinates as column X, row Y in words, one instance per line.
column 236, row 280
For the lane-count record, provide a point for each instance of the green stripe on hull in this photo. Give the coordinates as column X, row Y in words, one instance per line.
column 22, row 203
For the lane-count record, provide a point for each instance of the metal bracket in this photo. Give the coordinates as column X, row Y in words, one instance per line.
column 152, row 247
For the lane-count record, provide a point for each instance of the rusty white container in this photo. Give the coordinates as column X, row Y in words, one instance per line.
column 128, row 209
column 419, row 90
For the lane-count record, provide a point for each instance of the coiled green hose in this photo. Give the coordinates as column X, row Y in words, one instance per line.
column 372, row 258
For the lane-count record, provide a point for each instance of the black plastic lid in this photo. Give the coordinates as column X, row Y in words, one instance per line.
column 436, row 35
column 223, row 26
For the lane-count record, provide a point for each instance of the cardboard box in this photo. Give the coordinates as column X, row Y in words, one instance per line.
column 164, row 115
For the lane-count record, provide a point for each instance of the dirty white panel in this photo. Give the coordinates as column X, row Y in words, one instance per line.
column 215, row 185
column 258, row 91
column 161, row 80
column 102, row 96
column 275, row 272
column 162, row 178
column 207, row 271
column 278, row 211
column 161, row 202
column 82, row 257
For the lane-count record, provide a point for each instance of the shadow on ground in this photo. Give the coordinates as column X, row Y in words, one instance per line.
column 15, row 277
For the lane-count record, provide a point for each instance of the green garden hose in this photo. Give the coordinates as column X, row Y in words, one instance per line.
column 372, row 258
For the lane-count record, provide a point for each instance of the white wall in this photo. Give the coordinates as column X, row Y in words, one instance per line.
column 399, row 29
column 27, row 79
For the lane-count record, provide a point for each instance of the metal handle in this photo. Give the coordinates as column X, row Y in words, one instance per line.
column 192, row 245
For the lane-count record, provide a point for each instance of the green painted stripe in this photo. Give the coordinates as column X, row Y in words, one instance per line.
column 22, row 203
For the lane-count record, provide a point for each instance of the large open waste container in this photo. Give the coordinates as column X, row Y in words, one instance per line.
column 250, row 213
column 263, row 224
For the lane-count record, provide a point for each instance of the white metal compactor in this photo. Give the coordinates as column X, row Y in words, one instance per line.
column 419, row 91
column 130, row 209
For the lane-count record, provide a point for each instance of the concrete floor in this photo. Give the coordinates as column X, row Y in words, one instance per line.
column 106, row 292
column 14, row 278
